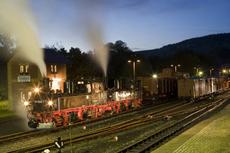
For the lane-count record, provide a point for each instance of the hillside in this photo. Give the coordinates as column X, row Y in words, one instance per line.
column 206, row 51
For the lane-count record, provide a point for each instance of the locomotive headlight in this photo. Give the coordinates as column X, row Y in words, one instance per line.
column 26, row 103
column 50, row 102
column 37, row 90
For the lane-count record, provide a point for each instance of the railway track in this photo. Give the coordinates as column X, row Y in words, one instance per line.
column 34, row 133
column 127, row 125
column 160, row 136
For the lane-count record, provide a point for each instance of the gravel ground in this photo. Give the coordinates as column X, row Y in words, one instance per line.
column 11, row 125
column 108, row 144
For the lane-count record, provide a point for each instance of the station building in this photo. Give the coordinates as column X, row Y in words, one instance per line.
column 24, row 76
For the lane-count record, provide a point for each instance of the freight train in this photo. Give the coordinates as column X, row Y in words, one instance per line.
column 200, row 87
column 185, row 88
column 46, row 109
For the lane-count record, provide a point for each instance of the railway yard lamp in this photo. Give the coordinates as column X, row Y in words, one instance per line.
column 200, row 73
column 175, row 66
column 210, row 71
column 154, row 76
column 134, row 61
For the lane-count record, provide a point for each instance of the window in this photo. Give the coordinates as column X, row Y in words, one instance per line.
column 24, row 68
column 53, row 68
column 21, row 69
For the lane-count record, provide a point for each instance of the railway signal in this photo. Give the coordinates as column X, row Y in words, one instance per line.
column 59, row 144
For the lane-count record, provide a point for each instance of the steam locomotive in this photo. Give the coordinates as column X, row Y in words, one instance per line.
column 46, row 109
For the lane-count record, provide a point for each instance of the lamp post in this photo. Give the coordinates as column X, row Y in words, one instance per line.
column 134, row 61
column 175, row 66
column 155, row 83
column 210, row 71
column 196, row 70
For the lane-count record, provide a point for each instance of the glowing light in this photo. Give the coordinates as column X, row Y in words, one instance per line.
column 138, row 61
column 116, row 138
column 50, row 102
column 26, row 103
column 122, row 95
column 80, row 82
column 87, row 96
column 224, row 71
column 154, row 76
column 200, row 73
column 37, row 89
column 129, row 61
column 56, row 85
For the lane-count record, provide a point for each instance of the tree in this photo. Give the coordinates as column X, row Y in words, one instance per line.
column 7, row 46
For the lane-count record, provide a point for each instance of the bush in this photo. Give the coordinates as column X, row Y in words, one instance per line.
column 4, row 105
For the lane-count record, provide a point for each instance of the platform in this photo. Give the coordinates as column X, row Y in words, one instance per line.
column 209, row 136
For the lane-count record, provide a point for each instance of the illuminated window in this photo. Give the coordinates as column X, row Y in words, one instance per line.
column 26, row 68
column 56, row 84
column 53, row 68
column 21, row 68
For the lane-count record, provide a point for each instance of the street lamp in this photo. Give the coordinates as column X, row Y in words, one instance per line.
column 175, row 66
column 197, row 70
column 210, row 71
column 154, row 76
column 224, row 71
column 134, row 61
column 200, row 73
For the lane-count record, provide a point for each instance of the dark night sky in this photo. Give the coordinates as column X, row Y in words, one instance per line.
column 143, row 24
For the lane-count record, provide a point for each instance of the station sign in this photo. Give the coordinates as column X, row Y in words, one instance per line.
column 24, row 78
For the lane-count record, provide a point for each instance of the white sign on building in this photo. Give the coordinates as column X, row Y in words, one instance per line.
column 24, row 78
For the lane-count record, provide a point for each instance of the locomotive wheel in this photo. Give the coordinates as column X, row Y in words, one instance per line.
column 58, row 121
column 32, row 124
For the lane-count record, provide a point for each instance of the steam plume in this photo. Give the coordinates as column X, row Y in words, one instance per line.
column 14, row 21
column 92, row 21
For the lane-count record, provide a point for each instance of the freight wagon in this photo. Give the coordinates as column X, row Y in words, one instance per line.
column 198, row 87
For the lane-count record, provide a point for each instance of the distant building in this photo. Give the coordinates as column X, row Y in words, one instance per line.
column 23, row 76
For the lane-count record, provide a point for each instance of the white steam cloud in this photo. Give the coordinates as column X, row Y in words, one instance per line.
column 92, row 20
column 14, row 19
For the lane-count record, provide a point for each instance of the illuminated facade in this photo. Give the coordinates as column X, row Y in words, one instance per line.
column 24, row 75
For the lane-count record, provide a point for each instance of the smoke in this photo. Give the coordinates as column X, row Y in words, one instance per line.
column 101, row 52
column 16, row 21
column 92, row 20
